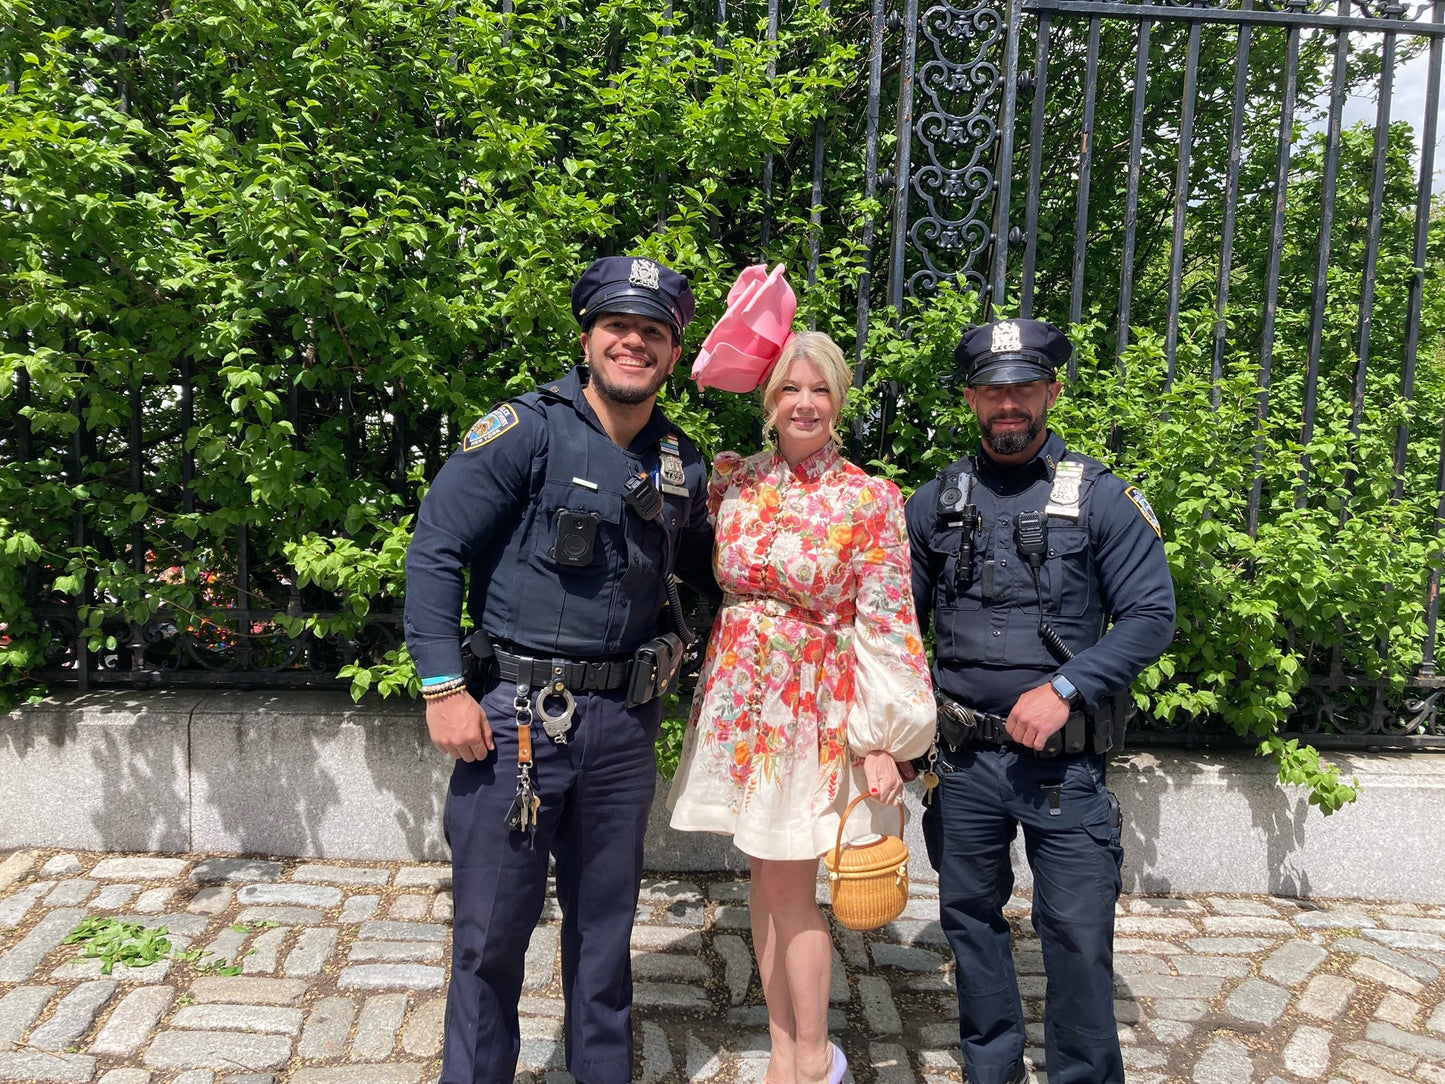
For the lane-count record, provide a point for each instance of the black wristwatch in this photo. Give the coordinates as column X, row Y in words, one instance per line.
column 1067, row 692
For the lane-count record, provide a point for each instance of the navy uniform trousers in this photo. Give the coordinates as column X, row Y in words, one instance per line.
column 1073, row 847
column 596, row 793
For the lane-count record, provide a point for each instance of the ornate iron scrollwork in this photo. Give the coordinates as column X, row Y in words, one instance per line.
column 219, row 647
column 1366, row 709
column 1394, row 10
column 1336, row 714
column 1421, row 715
column 957, row 132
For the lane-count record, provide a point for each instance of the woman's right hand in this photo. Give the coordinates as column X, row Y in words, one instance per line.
column 884, row 780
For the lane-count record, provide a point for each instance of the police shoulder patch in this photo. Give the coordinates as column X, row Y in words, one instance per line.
column 489, row 428
column 1142, row 503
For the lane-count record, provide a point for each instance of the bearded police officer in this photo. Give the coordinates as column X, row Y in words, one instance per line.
column 572, row 507
column 1046, row 581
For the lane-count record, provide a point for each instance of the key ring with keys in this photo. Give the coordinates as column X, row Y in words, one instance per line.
column 522, row 704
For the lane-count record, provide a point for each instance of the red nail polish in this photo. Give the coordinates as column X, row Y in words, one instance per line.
column 874, row 790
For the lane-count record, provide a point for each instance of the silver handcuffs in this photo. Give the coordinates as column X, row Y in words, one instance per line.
column 556, row 725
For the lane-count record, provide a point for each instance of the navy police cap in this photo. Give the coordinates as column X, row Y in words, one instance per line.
column 633, row 284
column 1012, row 352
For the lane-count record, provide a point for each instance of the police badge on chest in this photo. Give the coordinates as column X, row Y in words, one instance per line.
column 669, row 454
column 1064, row 497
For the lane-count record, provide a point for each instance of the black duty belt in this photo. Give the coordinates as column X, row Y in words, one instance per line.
column 578, row 675
column 960, row 725
column 991, row 729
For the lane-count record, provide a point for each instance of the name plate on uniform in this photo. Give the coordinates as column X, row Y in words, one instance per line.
column 1064, row 497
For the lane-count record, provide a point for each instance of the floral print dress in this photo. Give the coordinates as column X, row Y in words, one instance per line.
column 815, row 657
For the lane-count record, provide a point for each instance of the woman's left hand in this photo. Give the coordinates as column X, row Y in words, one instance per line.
column 884, row 782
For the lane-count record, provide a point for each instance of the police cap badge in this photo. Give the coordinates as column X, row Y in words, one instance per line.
column 1012, row 352
column 633, row 284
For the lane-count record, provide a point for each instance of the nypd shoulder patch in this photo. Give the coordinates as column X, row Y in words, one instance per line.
column 1142, row 503
column 489, row 428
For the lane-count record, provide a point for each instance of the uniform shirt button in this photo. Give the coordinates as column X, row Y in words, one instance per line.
column 996, row 632
column 613, row 645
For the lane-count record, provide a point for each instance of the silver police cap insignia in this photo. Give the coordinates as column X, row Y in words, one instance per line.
column 1005, row 338
column 645, row 273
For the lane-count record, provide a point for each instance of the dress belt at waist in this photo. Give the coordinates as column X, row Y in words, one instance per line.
column 830, row 620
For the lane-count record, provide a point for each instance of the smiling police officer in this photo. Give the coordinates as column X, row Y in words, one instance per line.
column 1045, row 578
column 572, row 507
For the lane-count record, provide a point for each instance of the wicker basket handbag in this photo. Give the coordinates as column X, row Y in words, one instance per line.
column 868, row 883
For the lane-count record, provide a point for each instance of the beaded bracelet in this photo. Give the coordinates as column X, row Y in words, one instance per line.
column 444, row 690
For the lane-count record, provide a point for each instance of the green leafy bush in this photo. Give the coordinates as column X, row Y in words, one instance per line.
column 264, row 261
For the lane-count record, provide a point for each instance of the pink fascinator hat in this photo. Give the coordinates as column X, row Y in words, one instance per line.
column 740, row 351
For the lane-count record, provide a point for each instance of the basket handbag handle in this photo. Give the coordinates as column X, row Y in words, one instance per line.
column 838, row 848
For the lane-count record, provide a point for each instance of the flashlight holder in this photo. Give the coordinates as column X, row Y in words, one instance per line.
column 956, row 509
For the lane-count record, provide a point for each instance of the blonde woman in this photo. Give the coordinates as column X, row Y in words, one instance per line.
column 814, row 684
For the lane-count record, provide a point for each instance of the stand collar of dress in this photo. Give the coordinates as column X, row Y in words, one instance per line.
column 811, row 469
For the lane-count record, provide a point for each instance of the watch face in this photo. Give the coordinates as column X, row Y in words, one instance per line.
column 1065, row 688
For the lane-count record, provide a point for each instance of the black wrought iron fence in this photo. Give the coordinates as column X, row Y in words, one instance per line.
column 1184, row 132
column 1097, row 163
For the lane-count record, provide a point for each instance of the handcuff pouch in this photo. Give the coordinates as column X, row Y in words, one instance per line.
column 655, row 666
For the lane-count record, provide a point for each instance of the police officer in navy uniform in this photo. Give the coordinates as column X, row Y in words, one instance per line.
column 572, row 508
column 1045, row 578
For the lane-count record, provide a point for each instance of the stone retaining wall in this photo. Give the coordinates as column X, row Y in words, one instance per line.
column 313, row 774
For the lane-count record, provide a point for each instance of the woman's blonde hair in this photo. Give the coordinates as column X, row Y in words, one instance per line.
column 823, row 352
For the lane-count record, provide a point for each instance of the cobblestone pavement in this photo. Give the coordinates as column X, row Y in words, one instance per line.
column 334, row 973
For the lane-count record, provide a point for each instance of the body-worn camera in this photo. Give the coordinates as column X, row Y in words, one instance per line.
column 956, row 509
column 576, row 537
column 655, row 666
column 955, row 495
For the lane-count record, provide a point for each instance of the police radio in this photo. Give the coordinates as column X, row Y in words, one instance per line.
column 1031, row 534
column 956, row 509
column 643, row 497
